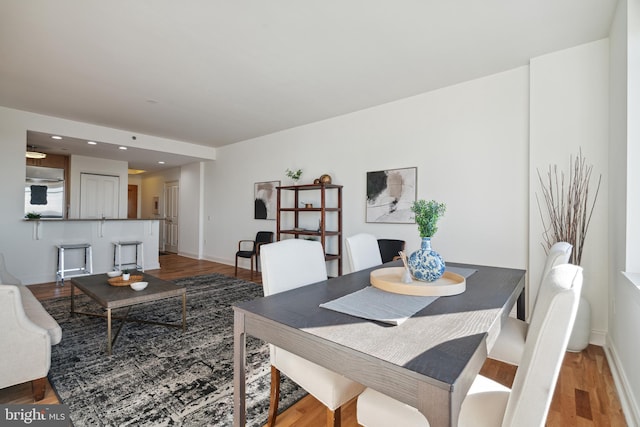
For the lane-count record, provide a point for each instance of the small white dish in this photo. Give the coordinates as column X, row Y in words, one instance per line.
column 114, row 273
column 138, row 286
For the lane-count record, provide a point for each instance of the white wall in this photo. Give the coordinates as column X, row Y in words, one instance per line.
column 569, row 111
column 623, row 339
column 469, row 143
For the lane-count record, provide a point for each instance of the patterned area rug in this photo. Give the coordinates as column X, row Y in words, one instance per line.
column 159, row 375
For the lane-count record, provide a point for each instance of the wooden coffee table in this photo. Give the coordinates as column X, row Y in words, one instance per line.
column 110, row 297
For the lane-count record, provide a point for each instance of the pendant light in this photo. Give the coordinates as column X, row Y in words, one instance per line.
column 33, row 154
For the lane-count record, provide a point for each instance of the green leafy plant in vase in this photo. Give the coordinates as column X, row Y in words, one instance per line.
column 426, row 264
column 294, row 175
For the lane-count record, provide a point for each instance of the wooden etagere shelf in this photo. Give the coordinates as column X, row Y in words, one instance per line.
column 293, row 215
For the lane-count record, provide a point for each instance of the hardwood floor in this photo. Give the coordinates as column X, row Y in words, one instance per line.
column 585, row 394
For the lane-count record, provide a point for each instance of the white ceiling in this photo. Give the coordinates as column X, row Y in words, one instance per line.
column 215, row 72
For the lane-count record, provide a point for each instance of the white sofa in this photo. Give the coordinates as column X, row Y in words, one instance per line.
column 27, row 332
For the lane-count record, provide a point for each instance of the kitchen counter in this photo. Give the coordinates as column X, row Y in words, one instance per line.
column 101, row 234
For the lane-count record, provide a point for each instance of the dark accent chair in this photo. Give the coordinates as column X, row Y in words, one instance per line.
column 389, row 249
column 251, row 248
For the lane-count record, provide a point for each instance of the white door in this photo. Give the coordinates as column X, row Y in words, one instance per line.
column 171, row 194
column 99, row 196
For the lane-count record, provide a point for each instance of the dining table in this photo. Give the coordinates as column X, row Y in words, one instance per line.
column 428, row 361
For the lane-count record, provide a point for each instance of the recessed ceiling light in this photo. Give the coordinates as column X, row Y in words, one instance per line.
column 56, row 137
column 122, row 148
column 92, row 143
column 161, row 162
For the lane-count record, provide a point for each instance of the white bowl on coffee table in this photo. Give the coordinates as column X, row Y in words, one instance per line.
column 138, row 286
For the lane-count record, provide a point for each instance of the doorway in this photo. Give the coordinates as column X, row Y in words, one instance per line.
column 171, row 229
column 132, row 201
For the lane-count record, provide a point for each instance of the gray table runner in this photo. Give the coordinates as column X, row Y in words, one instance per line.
column 375, row 304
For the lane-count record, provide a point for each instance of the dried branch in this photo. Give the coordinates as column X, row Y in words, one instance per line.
column 568, row 208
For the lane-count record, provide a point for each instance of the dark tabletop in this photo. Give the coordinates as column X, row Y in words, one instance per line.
column 437, row 342
column 108, row 296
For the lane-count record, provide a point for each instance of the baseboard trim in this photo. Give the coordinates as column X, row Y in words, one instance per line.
column 598, row 338
column 188, row 255
column 627, row 401
column 221, row 261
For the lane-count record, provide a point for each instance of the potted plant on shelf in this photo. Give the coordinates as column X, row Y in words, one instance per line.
column 569, row 208
column 126, row 275
column 426, row 264
column 294, row 175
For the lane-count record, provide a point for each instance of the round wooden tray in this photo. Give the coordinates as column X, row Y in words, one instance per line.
column 389, row 279
column 119, row 281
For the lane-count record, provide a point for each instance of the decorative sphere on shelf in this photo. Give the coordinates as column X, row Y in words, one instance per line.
column 316, row 181
column 325, row 179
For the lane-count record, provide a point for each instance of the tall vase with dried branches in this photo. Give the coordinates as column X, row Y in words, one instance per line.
column 569, row 207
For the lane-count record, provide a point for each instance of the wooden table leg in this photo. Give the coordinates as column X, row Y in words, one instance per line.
column 73, row 311
column 109, row 331
column 239, row 374
column 184, row 312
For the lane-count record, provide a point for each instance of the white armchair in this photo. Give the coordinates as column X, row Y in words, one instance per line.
column 27, row 331
column 286, row 265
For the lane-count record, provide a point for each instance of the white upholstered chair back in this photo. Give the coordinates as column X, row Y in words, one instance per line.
column 545, row 347
column 289, row 264
column 509, row 346
column 559, row 253
column 363, row 251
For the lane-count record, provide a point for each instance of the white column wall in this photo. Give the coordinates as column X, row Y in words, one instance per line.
column 190, row 220
column 569, row 111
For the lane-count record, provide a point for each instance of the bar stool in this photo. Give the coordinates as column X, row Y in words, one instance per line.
column 137, row 263
column 87, row 268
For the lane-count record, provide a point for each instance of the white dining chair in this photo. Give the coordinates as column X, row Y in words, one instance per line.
column 286, row 265
column 363, row 251
column 509, row 345
column 489, row 404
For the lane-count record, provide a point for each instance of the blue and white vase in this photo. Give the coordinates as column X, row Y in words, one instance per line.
column 426, row 264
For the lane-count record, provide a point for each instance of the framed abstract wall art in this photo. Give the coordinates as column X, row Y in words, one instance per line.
column 390, row 194
column 265, row 199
